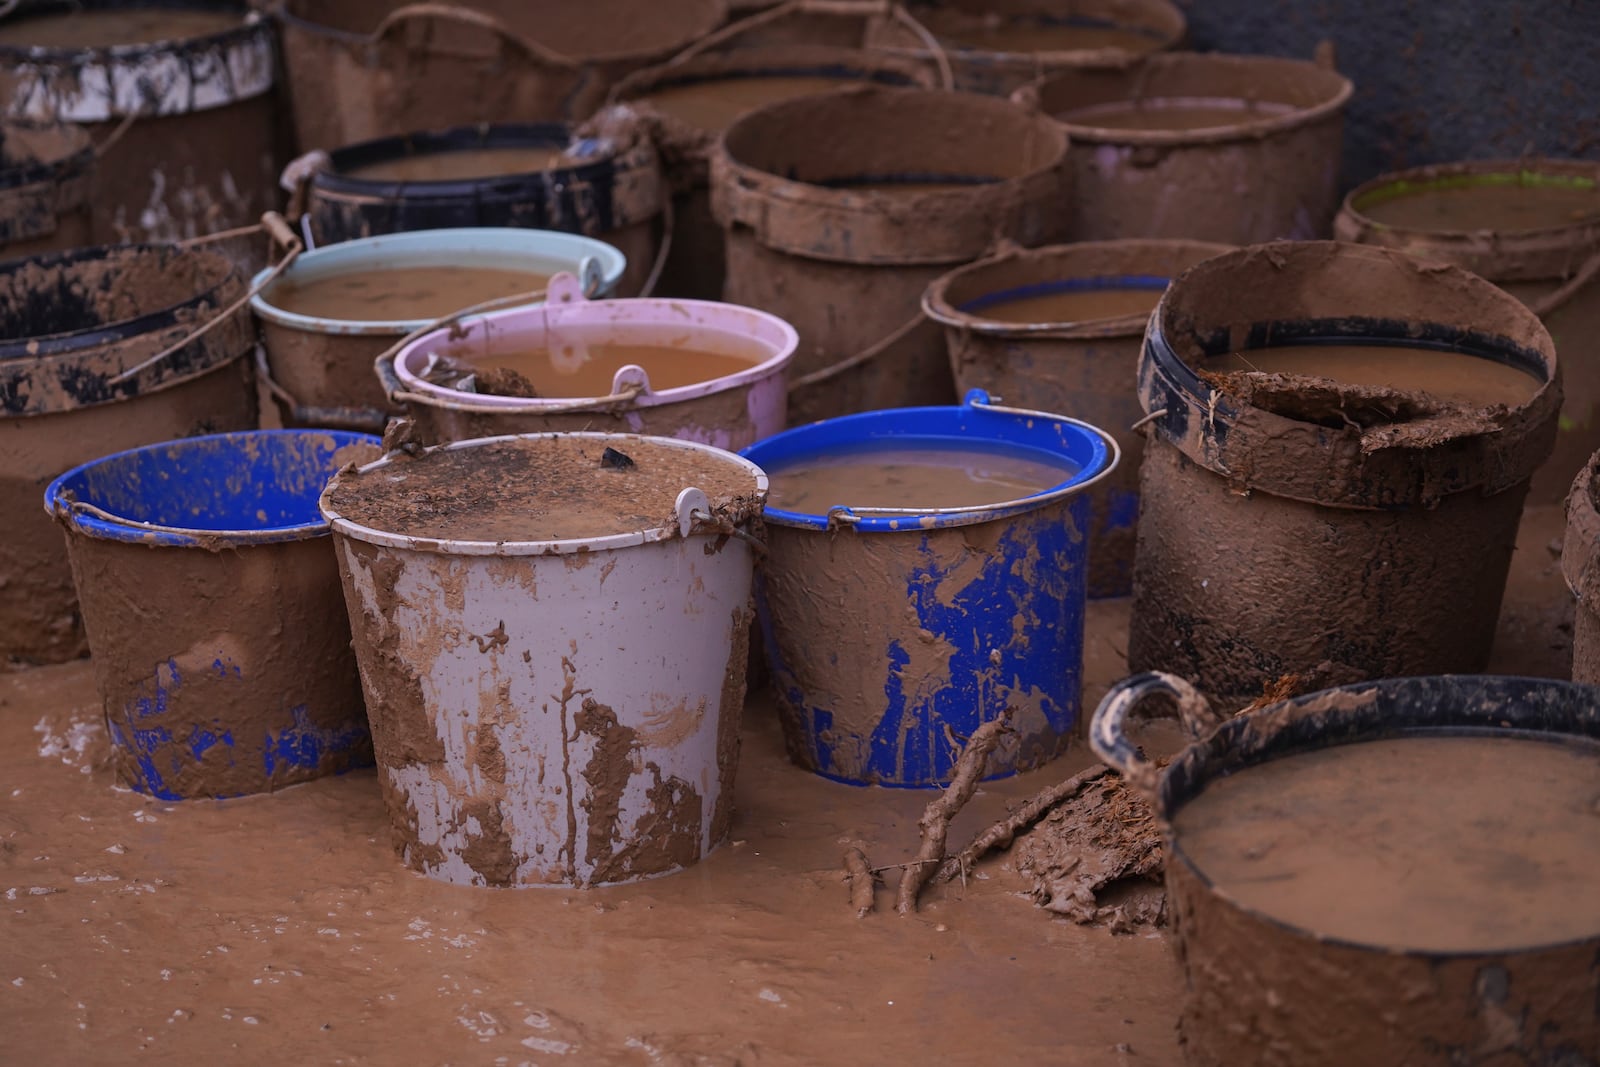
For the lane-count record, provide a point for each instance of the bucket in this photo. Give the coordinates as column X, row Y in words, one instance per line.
column 319, row 369
column 1581, row 569
column 685, row 106
column 360, row 69
column 1531, row 226
column 552, row 632
column 1290, row 525
column 893, row 634
column 848, row 266
column 1235, row 149
column 211, row 597
column 44, row 188
column 1449, row 924
column 180, row 99
column 729, row 411
column 598, row 187
column 76, row 325
column 1059, row 329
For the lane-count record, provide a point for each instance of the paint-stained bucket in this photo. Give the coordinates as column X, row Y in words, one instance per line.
column 685, row 106
column 552, row 632
column 360, row 69
column 326, row 318
column 211, row 596
column 1059, row 329
column 1580, row 565
column 691, row 369
column 1391, row 872
column 44, row 188
column 525, row 175
column 1334, row 512
column 894, row 632
column 79, row 378
column 840, row 208
column 180, row 97
column 1531, row 226
column 1235, row 149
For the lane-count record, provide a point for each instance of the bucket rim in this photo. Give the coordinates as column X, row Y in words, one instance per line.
column 39, row 171
column 130, row 531
column 1105, row 455
column 1535, row 171
column 465, row 242
column 250, row 24
column 349, row 528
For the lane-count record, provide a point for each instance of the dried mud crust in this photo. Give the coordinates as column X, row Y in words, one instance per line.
column 540, row 489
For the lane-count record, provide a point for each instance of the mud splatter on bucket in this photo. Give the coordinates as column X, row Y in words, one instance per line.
column 45, row 172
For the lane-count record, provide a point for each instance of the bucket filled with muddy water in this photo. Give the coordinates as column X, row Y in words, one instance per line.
column 1580, row 566
column 211, row 598
column 45, row 172
column 1531, row 226
column 1236, row 149
column 337, row 309
column 100, row 353
column 534, row 176
column 1341, row 439
column 692, row 369
column 1060, row 329
column 925, row 575
column 840, row 208
column 552, row 631
column 1400, row 871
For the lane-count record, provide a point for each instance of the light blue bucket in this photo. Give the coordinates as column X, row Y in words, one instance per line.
column 892, row 635
column 211, row 597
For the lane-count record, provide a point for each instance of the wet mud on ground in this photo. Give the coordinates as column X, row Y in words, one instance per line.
column 283, row 926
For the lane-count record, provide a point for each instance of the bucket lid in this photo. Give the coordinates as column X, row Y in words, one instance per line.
column 545, row 494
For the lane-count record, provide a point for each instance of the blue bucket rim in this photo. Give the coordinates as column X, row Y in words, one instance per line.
column 130, row 531
column 1104, row 458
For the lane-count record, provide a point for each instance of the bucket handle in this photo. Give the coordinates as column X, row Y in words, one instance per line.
column 1110, row 741
column 472, row 17
column 66, row 510
column 278, row 229
column 366, row 420
column 1553, row 300
column 695, row 516
column 866, row 355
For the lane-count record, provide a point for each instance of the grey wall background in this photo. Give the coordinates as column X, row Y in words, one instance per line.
column 1440, row 81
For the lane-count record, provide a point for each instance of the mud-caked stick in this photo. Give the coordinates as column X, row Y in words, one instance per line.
column 1002, row 833
column 935, row 822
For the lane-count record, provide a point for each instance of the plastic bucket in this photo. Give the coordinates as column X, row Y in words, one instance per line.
column 728, row 412
column 320, row 370
column 1288, row 526
column 211, row 597
column 44, row 188
column 1262, row 988
column 893, row 635
column 76, row 325
column 1546, row 254
column 551, row 709
column 1270, row 172
column 1084, row 367
column 848, row 266
column 204, row 152
column 601, row 187
column 1580, row 566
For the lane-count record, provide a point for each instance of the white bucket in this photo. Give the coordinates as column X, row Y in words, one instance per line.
column 561, row 710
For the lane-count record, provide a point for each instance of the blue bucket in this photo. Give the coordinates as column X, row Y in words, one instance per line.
column 893, row 634
column 211, row 597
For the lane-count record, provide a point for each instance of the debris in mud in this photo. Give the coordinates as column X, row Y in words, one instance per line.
column 934, row 825
column 612, row 460
column 447, row 373
column 860, row 880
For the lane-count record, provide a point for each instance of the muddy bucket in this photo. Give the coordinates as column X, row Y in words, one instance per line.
column 1236, row 149
column 1341, row 440
column 336, row 309
column 100, row 355
column 210, row 594
column 1392, row 872
column 898, row 615
column 552, row 632
column 1581, row 568
column 525, row 175
column 360, row 69
column 1059, row 329
column 691, row 369
column 180, row 98
column 840, row 209
column 1531, row 226
column 44, row 188
column 685, row 106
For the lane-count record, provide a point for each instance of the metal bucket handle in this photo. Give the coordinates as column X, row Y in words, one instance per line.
column 1110, row 741
column 478, row 19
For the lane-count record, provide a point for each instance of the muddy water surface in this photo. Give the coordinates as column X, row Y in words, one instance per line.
column 107, row 29
column 1451, row 375
column 463, row 165
column 1069, row 305
column 1450, row 844
column 1176, row 113
column 580, row 364
column 715, row 105
column 920, row 477
column 1499, row 206
column 400, row 293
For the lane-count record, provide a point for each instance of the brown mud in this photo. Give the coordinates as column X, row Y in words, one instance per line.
column 575, row 366
column 1159, row 113
column 45, row 175
column 400, row 293
column 1450, row 376
column 909, row 478
column 1499, row 207
column 997, row 34
column 1071, row 305
column 714, row 104
column 461, row 165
